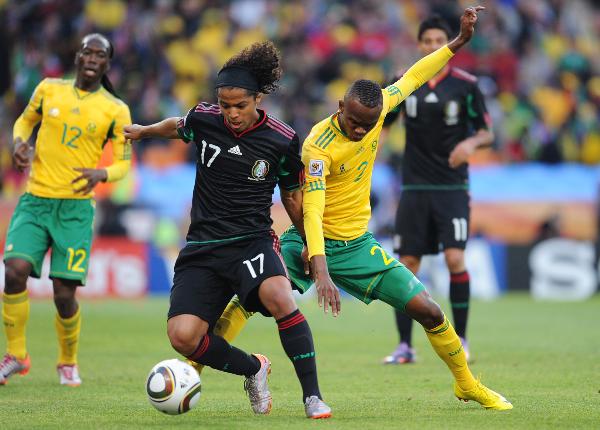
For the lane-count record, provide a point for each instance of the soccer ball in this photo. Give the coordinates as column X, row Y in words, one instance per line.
column 173, row 387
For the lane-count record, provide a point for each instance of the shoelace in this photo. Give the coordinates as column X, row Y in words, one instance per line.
column 250, row 387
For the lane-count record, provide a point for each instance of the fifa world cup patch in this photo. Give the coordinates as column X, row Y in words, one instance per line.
column 315, row 168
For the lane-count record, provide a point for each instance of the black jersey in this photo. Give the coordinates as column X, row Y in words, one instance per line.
column 236, row 173
column 437, row 118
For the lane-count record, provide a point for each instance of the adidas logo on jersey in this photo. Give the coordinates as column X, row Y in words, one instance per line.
column 235, row 150
column 431, row 98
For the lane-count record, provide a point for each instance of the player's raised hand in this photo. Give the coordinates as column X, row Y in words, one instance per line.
column 467, row 22
column 91, row 176
column 21, row 155
column 133, row 131
column 467, row 27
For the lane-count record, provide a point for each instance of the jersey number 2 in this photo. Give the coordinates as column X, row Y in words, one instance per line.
column 214, row 148
column 261, row 261
column 386, row 259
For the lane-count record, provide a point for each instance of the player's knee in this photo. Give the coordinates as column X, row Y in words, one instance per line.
column 277, row 297
column 64, row 300
column 184, row 341
column 425, row 311
column 432, row 315
column 15, row 277
column 184, row 338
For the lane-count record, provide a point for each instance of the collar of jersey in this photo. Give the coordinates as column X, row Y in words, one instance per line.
column 261, row 121
column 432, row 83
column 87, row 93
column 335, row 123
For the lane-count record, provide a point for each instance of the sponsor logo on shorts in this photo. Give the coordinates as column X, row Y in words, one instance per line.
column 10, row 247
column 315, row 168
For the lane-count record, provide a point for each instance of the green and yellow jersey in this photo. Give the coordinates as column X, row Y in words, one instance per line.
column 338, row 170
column 75, row 127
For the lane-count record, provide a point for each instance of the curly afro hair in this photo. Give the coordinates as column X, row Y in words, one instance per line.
column 263, row 60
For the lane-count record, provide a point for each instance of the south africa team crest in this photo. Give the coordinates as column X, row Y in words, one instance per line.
column 260, row 170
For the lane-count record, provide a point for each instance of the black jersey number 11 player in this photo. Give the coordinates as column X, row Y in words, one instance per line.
column 446, row 120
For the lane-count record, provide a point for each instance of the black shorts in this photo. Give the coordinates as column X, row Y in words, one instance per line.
column 208, row 276
column 427, row 222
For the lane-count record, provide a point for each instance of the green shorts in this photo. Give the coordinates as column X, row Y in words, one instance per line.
column 360, row 267
column 64, row 225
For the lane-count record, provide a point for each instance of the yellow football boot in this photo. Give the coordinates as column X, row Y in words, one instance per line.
column 489, row 399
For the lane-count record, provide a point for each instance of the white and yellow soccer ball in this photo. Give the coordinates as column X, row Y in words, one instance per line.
column 173, row 387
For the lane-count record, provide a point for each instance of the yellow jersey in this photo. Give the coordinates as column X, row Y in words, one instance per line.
column 75, row 127
column 338, row 171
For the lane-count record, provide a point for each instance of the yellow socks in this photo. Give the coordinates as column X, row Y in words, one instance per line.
column 232, row 321
column 15, row 313
column 230, row 324
column 447, row 345
column 67, row 331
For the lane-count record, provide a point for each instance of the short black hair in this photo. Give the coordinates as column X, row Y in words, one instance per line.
column 264, row 61
column 434, row 21
column 367, row 92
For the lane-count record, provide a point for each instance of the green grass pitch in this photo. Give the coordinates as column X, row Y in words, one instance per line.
column 544, row 357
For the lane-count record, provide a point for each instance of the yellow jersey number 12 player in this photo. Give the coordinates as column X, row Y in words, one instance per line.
column 338, row 156
column 78, row 117
column 446, row 120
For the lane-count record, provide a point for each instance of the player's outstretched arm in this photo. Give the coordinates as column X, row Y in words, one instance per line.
column 428, row 66
column 166, row 129
column 467, row 28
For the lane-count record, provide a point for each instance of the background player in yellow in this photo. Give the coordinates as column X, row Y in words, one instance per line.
column 338, row 156
column 78, row 117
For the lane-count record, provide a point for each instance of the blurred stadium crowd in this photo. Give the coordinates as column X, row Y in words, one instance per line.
column 537, row 63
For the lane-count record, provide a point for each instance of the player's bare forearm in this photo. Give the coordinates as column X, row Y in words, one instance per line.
column 467, row 28
column 483, row 138
column 292, row 202
column 166, row 129
column 461, row 153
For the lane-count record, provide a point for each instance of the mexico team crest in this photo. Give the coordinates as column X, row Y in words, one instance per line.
column 260, row 170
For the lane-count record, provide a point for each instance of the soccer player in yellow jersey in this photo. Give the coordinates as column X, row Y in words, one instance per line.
column 338, row 156
column 78, row 117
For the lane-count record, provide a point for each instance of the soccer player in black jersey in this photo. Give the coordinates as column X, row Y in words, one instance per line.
column 446, row 120
column 243, row 153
